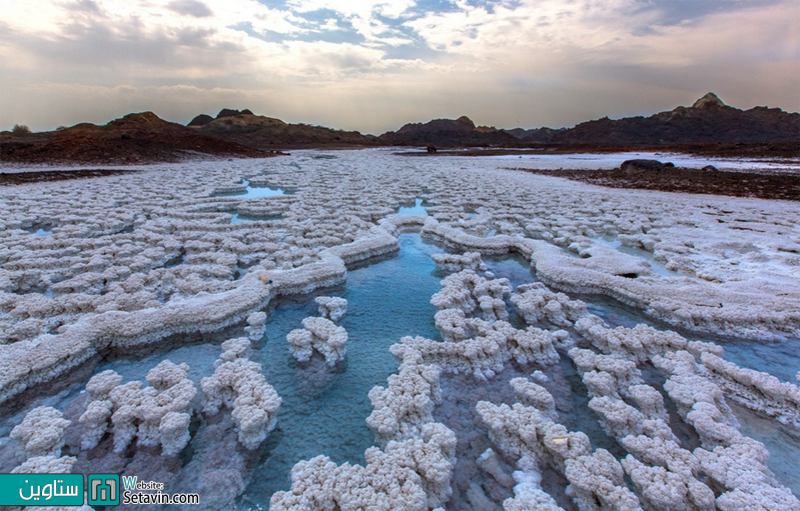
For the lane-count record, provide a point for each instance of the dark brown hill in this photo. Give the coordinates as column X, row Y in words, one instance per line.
column 707, row 121
column 135, row 138
column 447, row 133
column 200, row 120
column 263, row 132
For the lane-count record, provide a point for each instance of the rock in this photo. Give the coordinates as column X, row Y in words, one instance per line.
column 710, row 100
column 229, row 112
column 200, row 120
column 638, row 166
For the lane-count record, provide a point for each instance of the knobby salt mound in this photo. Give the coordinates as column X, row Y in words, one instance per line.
column 137, row 261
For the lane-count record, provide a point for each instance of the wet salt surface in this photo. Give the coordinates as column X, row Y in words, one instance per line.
column 255, row 191
column 782, row 443
column 416, row 209
column 655, row 265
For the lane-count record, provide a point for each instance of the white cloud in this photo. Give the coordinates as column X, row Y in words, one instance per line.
column 548, row 61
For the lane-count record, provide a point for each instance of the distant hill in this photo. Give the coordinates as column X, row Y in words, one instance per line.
column 536, row 135
column 135, row 138
column 258, row 131
column 707, row 121
column 447, row 132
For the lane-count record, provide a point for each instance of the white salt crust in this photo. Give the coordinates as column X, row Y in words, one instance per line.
column 122, row 269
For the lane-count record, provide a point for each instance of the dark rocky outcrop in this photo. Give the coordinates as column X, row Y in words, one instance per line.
column 536, row 135
column 707, row 121
column 200, row 120
column 447, row 133
column 263, row 132
column 229, row 112
column 639, row 166
column 135, row 138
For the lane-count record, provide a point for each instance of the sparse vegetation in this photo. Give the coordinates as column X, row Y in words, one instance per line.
column 20, row 130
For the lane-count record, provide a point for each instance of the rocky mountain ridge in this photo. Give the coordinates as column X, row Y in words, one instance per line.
column 261, row 132
column 136, row 138
column 707, row 121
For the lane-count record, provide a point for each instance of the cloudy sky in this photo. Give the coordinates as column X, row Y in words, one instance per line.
column 374, row 65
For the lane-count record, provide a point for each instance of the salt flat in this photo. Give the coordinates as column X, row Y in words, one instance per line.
column 121, row 267
column 612, row 160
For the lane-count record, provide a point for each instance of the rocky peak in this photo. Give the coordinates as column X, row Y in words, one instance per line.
column 142, row 120
column 230, row 112
column 201, row 120
column 465, row 120
column 710, row 100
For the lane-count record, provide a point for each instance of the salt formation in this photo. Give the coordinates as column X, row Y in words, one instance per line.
column 42, row 431
column 256, row 328
column 662, row 471
column 469, row 292
column 531, row 436
column 321, row 335
column 535, row 302
column 239, row 384
column 155, row 415
column 456, row 262
column 331, row 307
column 46, row 465
column 401, row 410
column 138, row 258
column 486, row 354
column 475, row 345
column 412, row 474
column 758, row 391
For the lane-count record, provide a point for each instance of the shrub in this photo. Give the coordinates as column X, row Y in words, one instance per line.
column 20, row 130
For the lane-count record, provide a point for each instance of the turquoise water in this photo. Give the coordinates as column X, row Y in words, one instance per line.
column 416, row 209
column 43, row 232
column 782, row 443
column 515, row 268
column 255, row 191
column 324, row 410
column 780, row 359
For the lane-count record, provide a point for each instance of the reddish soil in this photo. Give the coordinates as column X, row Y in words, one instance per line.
column 737, row 184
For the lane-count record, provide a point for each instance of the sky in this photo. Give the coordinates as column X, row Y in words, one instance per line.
column 372, row 65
